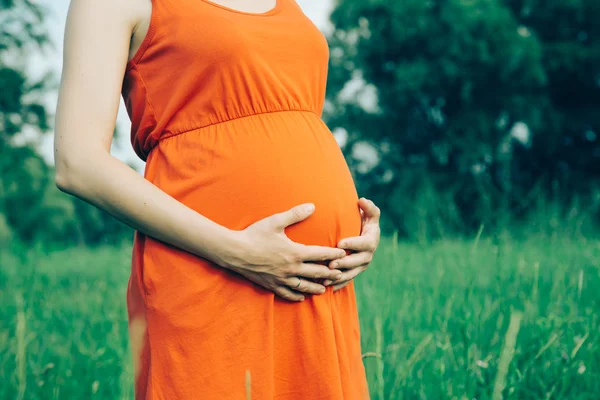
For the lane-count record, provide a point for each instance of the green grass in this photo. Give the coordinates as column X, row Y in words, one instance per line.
column 434, row 321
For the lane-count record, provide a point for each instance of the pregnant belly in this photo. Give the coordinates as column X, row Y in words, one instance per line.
column 240, row 171
column 237, row 173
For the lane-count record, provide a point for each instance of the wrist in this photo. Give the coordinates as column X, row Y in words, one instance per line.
column 232, row 250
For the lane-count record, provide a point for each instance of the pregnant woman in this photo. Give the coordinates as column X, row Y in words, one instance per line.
column 249, row 230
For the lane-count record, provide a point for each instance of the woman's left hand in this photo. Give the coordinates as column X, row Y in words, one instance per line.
column 363, row 247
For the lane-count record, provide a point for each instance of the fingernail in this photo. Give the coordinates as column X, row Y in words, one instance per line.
column 310, row 208
column 337, row 277
column 326, row 282
column 335, row 265
column 342, row 244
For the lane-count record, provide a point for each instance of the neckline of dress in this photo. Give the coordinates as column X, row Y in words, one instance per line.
column 272, row 11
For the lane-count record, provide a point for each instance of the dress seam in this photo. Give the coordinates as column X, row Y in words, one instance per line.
column 173, row 134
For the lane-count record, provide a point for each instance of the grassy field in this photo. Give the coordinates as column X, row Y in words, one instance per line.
column 485, row 319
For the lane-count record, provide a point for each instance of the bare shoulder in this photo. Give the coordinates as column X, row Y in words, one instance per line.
column 128, row 12
column 116, row 24
column 110, row 14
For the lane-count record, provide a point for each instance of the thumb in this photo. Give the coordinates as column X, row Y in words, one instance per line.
column 293, row 215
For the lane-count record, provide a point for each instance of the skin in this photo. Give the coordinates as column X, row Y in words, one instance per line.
column 100, row 38
column 362, row 247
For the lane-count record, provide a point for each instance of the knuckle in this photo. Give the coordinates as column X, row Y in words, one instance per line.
column 292, row 270
column 296, row 213
column 273, row 220
column 291, row 258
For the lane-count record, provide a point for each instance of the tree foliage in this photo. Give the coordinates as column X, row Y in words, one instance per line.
column 479, row 104
column 31, row 207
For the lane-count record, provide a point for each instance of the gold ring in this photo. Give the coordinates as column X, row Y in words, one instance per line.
column 299, row 282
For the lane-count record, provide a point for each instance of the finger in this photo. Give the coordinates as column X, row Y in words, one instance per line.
column 292, row 216
column 348, row 275
column 368, row 242
column 371, row 211
column 317, row 271
column 304, row 286
column 353, row 260
column 320, row 253
column 288, row 294
column 339, row 286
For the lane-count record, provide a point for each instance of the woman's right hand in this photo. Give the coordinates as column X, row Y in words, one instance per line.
column 271, row 260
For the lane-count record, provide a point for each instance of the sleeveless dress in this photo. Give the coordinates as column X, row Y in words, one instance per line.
column 226, row 110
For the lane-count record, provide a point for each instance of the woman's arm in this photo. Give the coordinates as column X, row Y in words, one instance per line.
column 96, row 51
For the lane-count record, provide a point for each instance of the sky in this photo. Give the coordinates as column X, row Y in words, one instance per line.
column 317, row 10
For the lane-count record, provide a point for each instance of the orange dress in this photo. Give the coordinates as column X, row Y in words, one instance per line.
column 226, row 110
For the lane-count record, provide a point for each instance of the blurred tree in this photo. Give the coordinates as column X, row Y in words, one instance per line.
column 456, row 95
column 566, row 147
column 23, row 174
column 31, row 207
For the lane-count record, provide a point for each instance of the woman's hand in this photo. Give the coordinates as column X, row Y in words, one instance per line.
column 270, row 259
column 363, row 246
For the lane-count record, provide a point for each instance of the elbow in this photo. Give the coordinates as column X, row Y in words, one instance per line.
column 76, row 170
column 62, row 179
column 67, row 174
column 62, row 182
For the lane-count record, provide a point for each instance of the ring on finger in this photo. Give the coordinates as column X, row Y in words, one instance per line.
column 299, row 282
